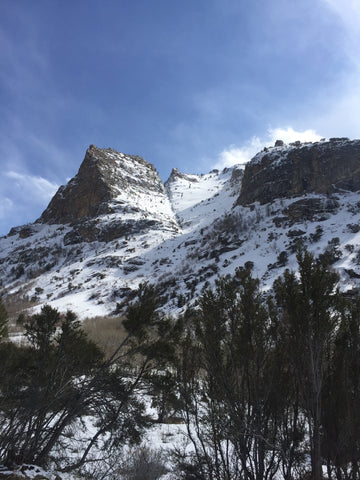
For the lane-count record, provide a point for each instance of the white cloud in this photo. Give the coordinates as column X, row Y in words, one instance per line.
column 238, row 154
column 38, row 187
column 290, row 135
column 5, row 206
column 348, row 11
column 339, row 113
column 28, row 192
column 22, row 198
column 234, row 154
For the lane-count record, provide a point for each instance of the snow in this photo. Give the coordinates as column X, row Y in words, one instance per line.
column 187, row 246
column 194, row 198
column 184, row 248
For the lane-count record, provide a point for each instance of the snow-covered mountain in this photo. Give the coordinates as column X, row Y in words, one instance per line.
column 115, row 225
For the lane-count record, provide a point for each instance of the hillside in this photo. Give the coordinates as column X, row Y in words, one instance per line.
column 116, row 225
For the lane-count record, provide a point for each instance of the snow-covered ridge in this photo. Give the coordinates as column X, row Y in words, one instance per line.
column 280, row 151
column 136, row 232
column 181, row 236
column 198, row 200
column 285, row 171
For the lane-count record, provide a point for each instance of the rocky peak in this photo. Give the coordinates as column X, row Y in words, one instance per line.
column 102, row 176
column 176, row 175
column 289, row 170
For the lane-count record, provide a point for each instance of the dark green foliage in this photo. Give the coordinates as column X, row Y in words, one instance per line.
column 144, row 312
column 267, row 384
column 309, row 318
column 3, row 321
column 282, row 258
column 38, row 384
column 269, row 388
column 181, row 300
column 41, row 328
column 47, row 387
column 315, row 237
column 332, row 252
column 228, row 368
column 341, row 399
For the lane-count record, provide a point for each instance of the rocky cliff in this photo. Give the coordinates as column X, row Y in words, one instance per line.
column 115, row 225
column 287, row 171
column 113, row 195
column 103, row 175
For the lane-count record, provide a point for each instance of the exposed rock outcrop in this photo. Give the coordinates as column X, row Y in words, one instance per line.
column 297, row 169
column 102, row 176
column 115, row 225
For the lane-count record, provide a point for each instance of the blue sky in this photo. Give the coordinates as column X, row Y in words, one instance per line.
column 195, row 84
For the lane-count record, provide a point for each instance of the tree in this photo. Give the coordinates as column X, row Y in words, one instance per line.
column 229, row 382
column 3, row 321
column 47, row 387
column 310, row 312
column 38, row 386
column 341, row 399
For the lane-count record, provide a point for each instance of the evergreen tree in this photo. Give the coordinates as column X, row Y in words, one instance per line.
column 229, row 382
column 341, row 399
column 310, row 315
column 39, row 388
column 48, row 386
column 3, row 321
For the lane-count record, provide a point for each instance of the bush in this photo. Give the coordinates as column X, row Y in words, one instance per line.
column 315, row 237
column 282, row 258
column 38, row 387
column 3, row 321
column 106, row 332
column 144, row 464
column 332, row 252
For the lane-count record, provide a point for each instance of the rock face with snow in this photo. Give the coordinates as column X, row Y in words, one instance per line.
column 99, row 200
column 284, row 172
column 103, row 176
column 115, row 225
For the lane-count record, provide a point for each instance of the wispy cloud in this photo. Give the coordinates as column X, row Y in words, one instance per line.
column 348, row 13
column 32, row 170
column 241, row 154
column 290, row 135
column 22, row 198
column 40, row 188
column 21, row 67
column 341, row 104
column 6, row 204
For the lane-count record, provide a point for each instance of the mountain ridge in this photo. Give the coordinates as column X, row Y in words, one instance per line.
column 127, row 227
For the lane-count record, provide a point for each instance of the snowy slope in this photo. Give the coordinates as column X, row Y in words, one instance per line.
column 180, row 238
column 92, row 277
column 198, row 200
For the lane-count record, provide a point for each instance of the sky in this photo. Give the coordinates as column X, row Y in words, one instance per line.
column 196, row 85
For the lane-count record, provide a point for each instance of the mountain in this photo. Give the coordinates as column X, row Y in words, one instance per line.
column 115, row 225
column 298, row 169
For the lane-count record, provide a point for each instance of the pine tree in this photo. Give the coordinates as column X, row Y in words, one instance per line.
column 231, row 399
column 3, row 321
column 310, row 314
column 341, row 399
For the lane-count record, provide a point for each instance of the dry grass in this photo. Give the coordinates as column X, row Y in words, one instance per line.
column 16, row 303
column 106, row 332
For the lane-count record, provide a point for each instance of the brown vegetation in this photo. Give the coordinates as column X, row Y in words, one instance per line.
column 106, row 332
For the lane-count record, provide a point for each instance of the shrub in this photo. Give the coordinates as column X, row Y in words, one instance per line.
column 106, row 332
column 144, row 464
column 332, row 252
column 3, row 321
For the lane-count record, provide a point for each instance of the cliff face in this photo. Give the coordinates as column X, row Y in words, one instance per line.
column 113, row 195
column 280, row 172
column 103, row 175
column 115, row 225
